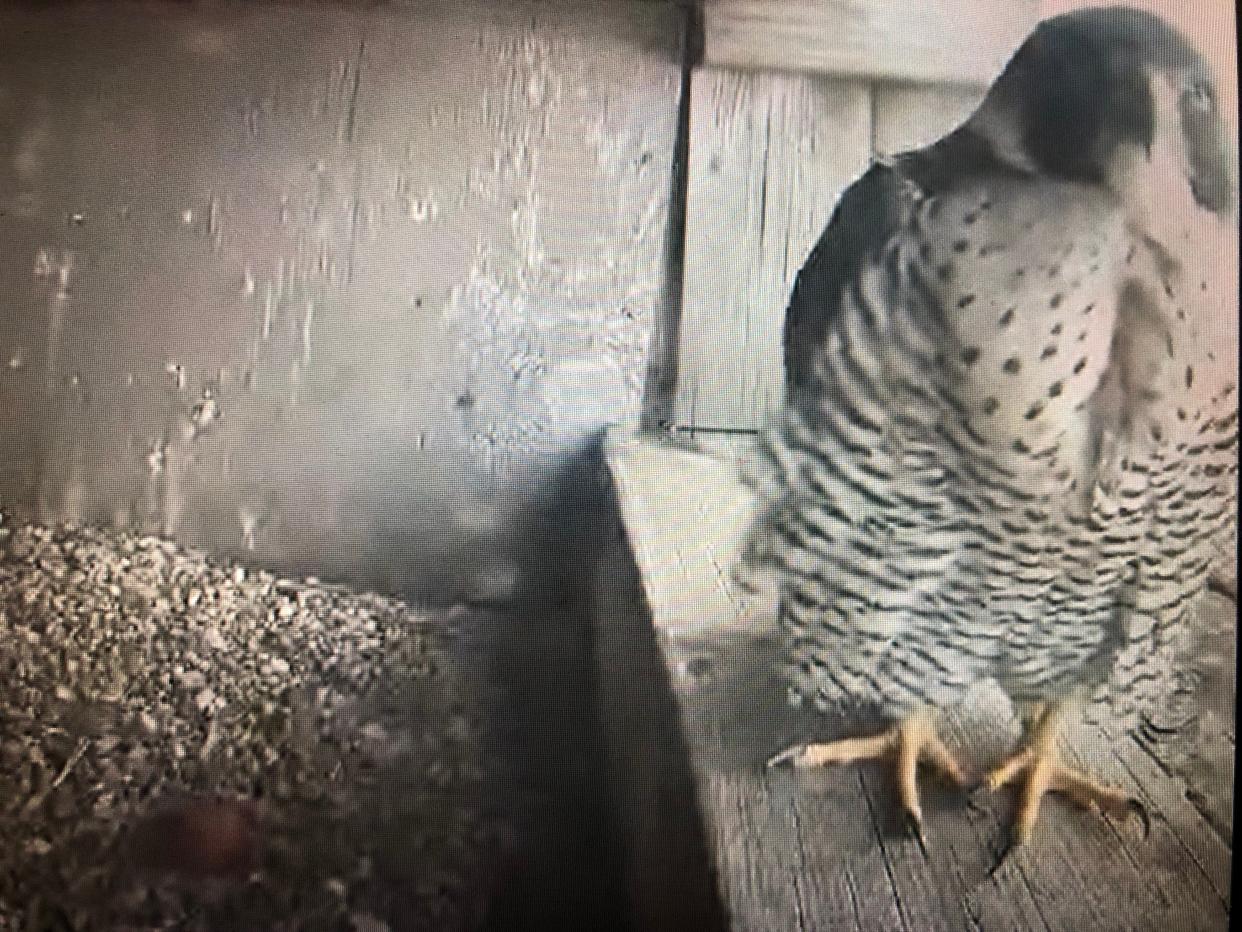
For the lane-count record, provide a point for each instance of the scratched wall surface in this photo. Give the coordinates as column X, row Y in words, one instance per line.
column 331, row 288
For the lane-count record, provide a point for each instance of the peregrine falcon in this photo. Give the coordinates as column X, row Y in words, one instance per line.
column 1009, row 444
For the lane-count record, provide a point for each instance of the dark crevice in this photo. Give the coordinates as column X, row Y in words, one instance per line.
column 661, row 381
column 578, row 779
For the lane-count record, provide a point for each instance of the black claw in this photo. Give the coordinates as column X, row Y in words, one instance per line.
column 976, row 795
column 1159, row 729
column 914, row 826
column 784, row 756
column 973, row 802
column 1008, row 849
column 1140, row 810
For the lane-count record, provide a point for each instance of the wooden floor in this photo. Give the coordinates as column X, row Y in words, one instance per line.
column 825, row 849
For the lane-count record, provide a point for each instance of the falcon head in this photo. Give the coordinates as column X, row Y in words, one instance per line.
column 1112, row 95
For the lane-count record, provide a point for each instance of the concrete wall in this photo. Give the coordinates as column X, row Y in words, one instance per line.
column 337, row 290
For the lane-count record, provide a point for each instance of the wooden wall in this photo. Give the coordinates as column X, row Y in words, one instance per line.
column 793, row 101
column 330, row 287
column 340, row 285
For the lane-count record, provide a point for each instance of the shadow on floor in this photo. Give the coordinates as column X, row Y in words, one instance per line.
column 570, row 862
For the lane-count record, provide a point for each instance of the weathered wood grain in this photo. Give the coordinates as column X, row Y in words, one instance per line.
column 667, row 864
column 691, row 528
column 769, row 156
column 949, row 41
column 412, row 255
column 826, row 849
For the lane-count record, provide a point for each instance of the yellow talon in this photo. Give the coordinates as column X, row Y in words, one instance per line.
column 1037, row 766
column 910, row 742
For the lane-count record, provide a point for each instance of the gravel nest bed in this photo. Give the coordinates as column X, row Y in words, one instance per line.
column 190, row 745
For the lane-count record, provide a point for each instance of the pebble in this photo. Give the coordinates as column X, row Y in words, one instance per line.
column 198, row 675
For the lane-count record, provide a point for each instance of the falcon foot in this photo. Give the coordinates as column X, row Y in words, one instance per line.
column 1037, row 766
column 911, row 741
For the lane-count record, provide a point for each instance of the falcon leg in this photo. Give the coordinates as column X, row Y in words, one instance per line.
column 908, row 743
column 1037, row 766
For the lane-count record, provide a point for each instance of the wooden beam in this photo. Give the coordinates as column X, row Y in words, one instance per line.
column 941, row 41
column 686, row 513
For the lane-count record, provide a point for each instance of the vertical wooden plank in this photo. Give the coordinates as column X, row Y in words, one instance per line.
column 910, row 116
column 769, row 156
